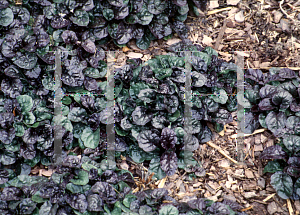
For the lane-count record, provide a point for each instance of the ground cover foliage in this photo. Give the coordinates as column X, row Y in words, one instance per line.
column 149, row 108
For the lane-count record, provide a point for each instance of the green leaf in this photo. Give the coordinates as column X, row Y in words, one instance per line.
column 65, row 122
column 6, row 17
column 42, row 113
column 220, row 96
column 94, row 73
column 25, row 102
column 117, row 209
column 66, row 100
column 128, row 199
column 143, row 17
column 80, row 18
column 45, row 209
column 108, row 14
column 155, row 167
column 65, row 110
column 135, row 89
column 36, row 198
column 262, row 120
column 7, row 158
column 297, row 187
column 82, row 178
column 29, row 118
column 25, row 180
column 168, row 210
column 143, row 43
column 274, row 166
column 242, row 100
column 283, row 184
column 137, row 155
column 91, row 139
column 48, row 83
column 292, row 143
column 78, row 188
column 19, row 128
column 162, row 73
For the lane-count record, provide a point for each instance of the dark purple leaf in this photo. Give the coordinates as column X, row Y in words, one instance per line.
column 287, row 73
column 109, row 176
column 78, row 202
column 42, row 40
column 255, row 75
column 3, row 176
column 266, row 104
column 105, row 191
column 121, row 12
column 12, row 87
column 72, row 161
column 267, row 91
column 7, row 135
column 141, row 116
column 218, row 208
column 27, row 151
column 168, row 162
column 89, row 46
column 69, row 37
column 148, row 140
column 59, row 22
column 160, row 31
column 159, row 193
column 168, row 138
column 273, row 152
column 6, row 120
column 10, row 194
column 198, row 204
column 90, row 84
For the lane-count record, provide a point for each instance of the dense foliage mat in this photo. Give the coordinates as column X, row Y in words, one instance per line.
column 149, row 107
column 272, row 101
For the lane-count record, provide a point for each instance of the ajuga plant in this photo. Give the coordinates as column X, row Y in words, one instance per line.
column 37, row 25
column 81, row 186
column 148, row 123
column 148, row 113
column 272, row 101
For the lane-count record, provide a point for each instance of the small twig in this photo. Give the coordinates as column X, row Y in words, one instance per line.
column 218, row 10
column 221, row 34
column 246, row 209
column 261, row 202
column 211, row 144
column 246, row 135
column 269, row 197
column 285, row 13
column 291, row 211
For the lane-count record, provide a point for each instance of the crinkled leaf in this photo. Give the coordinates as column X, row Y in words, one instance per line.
column 168, row 138
column 80, row 18
column 148, row 140
column 283, row 184
column 141, row 116
column 276, row 122
column 292, row 143
column 273, row 152
column 168, row 162
column 25, row 61
column 6, row 16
